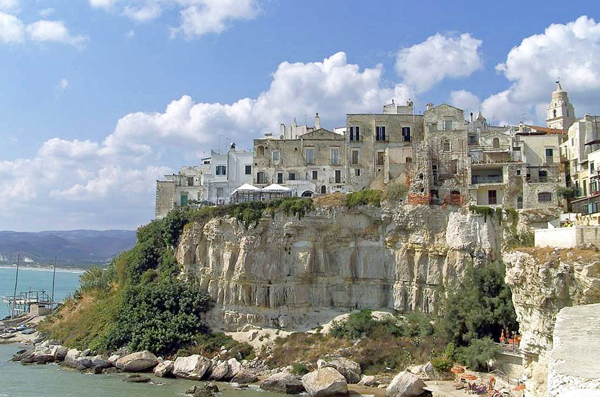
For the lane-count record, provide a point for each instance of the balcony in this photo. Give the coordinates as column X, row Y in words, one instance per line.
column 486, row 179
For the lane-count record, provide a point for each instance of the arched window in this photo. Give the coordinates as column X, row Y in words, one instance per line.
column 554, row 111
column 496, row 143
column 446, row 145
column 323, row 189
column 260, row 151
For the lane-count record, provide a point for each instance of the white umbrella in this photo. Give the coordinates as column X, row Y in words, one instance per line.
column 275, row 188
column 246, row 188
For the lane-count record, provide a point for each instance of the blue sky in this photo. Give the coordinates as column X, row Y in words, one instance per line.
column 98, row 98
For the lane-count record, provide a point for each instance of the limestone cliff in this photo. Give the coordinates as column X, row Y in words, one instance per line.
column 292, row 272
column 543, row 281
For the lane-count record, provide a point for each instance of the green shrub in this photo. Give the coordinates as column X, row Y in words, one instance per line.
column 566, row 192
column 364, row 197
column 479, row 353
column 482, row 210
column 442, row 364
column 356, row 325
column 96, row 278
column 299, row 369
column 395, row 192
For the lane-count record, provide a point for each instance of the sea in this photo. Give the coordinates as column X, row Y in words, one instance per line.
column 50, row 380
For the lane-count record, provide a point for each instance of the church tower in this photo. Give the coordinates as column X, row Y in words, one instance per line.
column 561, row 113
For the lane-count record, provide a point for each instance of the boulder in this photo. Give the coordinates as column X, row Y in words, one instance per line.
column 164, row 369
column 192, row 367
column 100, row 362
column 244, row 377
column 348, row 368
column 136, row 379
column 137, row 362
column 206, row 390
column 405, row 384
column 368, row 380
column 113, row 359
column 282, row 382
column 59, row 352
column 86, row 362
column 234, row 367
column 71, row 358
column 324, row 382
column 42, row 356
column 220, row 371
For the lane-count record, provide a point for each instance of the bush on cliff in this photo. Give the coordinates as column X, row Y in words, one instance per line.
column 395, row 192
column 478, row 306
column 363, row 197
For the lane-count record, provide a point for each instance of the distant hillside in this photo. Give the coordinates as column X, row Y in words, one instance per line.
column 74, row 247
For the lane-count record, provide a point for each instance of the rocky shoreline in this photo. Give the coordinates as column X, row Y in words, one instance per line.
column 331, row 378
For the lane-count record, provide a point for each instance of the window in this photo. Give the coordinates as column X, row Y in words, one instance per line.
column 315, row 175
column 446, row 145
column 543, row 176
column 492, row 198
column 496, row 143
column 406, row 134
column 338, row 176
column 544, row 197
column 518, row 172
column 248, row 170
column 472, row 139
column 516, row 148
column 433, row 126
column 577, row 193
column 219, row 192
column 335, row 156
column 520, row 202
column 280, row 177
column 554, row 113
column 221, row 170
column 592, row 166
column 354, row 133
column 292, row 176
column 260, row 151
column 190, row 181
column 309, row 154
column 380, row 158
column 585, row 187
column 260, row 178
column 183, row 200
column 357, row 172
column 454, row 167
column 447, row 125
column 276, row 156
column 323, row 189
column 549, row 156
column 408, row 160
column 380, row 133
column 354, row 156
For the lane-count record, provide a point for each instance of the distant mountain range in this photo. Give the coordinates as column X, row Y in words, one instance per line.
column 74, row 247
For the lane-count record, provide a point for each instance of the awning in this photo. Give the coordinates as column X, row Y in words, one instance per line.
column 246, row 188
column 275, row 188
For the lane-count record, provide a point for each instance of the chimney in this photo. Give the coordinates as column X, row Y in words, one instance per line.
column 429, row 106
column 471, row 116
column 317, row 122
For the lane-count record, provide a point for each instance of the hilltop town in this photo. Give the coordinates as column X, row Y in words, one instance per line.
column 441, row 156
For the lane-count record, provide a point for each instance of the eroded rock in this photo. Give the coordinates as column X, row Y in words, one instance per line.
column 325, row 382
column 137, row 362
column 282, row 382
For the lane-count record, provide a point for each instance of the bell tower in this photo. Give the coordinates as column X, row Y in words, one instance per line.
column 561, row 113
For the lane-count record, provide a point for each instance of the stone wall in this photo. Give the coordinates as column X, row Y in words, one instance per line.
column 568, row 237
column 296, row 273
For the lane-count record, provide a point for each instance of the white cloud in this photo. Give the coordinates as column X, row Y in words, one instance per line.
column 426, row 64
column 465, row 100
column 197, row 17
column 11, row 29
column 46, row 12
column 9, row 5
column 570, row 51
column 130, row 34
column 63, row 84
column 53, row 31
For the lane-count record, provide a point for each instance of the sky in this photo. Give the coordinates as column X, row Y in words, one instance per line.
column 100, row 98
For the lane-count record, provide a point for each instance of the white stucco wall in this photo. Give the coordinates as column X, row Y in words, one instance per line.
column 567, row 237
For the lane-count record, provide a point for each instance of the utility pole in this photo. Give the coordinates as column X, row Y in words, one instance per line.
column 53, row 279
column 15, row 292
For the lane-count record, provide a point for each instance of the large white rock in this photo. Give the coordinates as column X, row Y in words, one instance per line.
column 325, row 382
column 234, row 367
column 244, row 377
column 220, row 371
column 59, row 352
column 368, row 380
column 164, row 369
column 137, row 362
column 282, row 382
column 348, row 368
column 192, row 367
column 405, row 384
column 72, row 357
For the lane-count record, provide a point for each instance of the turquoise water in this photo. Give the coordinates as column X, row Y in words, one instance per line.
column 67, row 282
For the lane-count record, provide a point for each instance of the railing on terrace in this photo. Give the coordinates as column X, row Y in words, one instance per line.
column 476, row 180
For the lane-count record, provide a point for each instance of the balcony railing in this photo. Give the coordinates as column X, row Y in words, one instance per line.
column 478, row 180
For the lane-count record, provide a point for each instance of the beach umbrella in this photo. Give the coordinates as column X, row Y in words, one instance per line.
column 469, row 377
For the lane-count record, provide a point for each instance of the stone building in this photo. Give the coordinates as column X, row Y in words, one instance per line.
column 179, row 189
column 313, row 162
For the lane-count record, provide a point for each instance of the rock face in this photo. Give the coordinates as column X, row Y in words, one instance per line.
column 244, row 377
column 543, row 282
column 405, row 384
column 325, row 382
column 193, row 367
column 573, row 366
column 220, row 371
column 286, row 272
column 137, row 362
column 282, row 382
